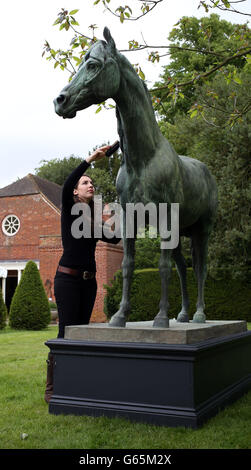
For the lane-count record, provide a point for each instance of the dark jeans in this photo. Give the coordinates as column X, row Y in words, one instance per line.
column 75, row 299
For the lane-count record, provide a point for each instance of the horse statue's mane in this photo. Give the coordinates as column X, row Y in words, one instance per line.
column 120, row 128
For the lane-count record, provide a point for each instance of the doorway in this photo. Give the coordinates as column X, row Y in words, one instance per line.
column 11, row 284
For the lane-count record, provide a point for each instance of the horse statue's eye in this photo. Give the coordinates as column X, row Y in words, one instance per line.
column 92, row 66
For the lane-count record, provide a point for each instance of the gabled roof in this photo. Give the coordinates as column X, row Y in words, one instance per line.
column 32, row 184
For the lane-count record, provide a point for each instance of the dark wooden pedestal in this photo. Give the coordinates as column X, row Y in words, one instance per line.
column 163, row 384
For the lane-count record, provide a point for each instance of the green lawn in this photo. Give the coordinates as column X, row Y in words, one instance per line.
column 23, row 411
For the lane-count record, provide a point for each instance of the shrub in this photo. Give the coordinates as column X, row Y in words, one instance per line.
column 29, row 308
column 225, row 298
column 53, row 305
column 3, row 312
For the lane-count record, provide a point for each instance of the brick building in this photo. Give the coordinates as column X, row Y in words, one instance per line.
column 30, row 230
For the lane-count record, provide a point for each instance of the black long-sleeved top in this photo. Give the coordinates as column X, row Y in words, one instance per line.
column 79, row 253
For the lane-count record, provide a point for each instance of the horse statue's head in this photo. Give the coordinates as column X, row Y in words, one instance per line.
column 97, row 79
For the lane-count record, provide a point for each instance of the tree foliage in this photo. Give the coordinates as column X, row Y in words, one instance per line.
column 196, row 43
column 56, row 169
column 236, row 45
column 217, row 132
column 103, row 174
column 227, row 153
column 147, row 251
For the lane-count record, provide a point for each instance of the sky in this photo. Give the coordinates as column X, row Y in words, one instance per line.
column 30, row 131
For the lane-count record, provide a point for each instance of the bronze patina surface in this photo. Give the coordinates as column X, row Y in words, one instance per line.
column 151, row 171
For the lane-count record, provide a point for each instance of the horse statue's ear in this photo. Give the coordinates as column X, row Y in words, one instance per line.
column 110, row 41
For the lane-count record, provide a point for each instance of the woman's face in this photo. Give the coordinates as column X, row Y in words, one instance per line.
column 85, row 189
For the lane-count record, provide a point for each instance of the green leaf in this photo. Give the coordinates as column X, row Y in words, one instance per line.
column 194, row 113
column 141, row 74
column 248, row 59
column 77, row 59
column 237, row 80
column 98, row 109
column 73, row 12
column 56, row 22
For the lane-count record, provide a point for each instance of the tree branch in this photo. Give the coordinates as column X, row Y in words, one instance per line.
column 205, row 74
column 141, row 47
column 135, row 18
column 221, row 7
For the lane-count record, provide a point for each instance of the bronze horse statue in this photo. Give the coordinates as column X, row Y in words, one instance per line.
column 151, row 171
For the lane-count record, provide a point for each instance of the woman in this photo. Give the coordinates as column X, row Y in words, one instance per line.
column 75, row 283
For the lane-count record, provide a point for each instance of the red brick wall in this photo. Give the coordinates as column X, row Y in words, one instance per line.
column 39, row 239
column 36, row 217
column 50, row 251
column 108, row 261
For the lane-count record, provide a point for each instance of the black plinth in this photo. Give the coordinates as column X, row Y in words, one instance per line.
column 163, row 384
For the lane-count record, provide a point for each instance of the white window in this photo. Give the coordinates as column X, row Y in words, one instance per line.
column 10, row 225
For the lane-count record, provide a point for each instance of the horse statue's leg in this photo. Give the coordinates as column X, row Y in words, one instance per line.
column 119, row 318
column 165, row 268
column 181, row 268
column 199, row 257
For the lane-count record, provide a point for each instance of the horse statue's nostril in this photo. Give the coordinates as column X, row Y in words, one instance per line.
column 61, row 99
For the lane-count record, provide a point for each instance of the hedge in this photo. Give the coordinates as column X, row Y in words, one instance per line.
column 29, row 307
column 225, row 298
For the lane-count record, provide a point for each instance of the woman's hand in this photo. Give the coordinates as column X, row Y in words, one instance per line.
column 98, row 154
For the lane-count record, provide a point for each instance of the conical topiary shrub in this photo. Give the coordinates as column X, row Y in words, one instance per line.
column 29, row 308
column 3, row 312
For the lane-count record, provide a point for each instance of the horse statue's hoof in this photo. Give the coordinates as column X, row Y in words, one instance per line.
column 160, row 322
column 199, row 317
column 117, row 321
column 182, row 318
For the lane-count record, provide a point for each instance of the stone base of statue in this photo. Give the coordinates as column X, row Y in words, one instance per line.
column 179, row 376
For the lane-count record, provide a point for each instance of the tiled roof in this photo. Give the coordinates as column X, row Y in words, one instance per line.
column 32, row 184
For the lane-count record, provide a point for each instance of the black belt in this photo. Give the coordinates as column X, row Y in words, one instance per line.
column 76, row 272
